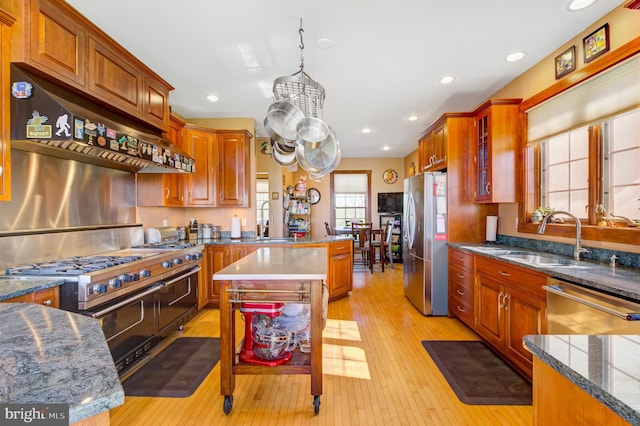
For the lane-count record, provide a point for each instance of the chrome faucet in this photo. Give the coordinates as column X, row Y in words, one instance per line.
column 578, row 249
column 262, row 219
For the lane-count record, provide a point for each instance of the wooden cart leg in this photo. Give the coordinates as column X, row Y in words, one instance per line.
column 227, row 330
column 316, row 339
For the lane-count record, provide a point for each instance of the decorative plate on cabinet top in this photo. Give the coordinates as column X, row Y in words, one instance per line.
column 390, row 176
column 412, row 168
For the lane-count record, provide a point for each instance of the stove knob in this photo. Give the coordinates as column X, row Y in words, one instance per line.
column 99, row 288
column 189, row 257
column 125, row 278
column 177, row 261
column 135, row 276
column 145, row 273
column 166, row 264
column 115, row 283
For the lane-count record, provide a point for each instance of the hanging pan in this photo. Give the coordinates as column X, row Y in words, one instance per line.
column 318, row 160
column 282, row 157
column 312, row 132
column 276, row 137
column 283, row 118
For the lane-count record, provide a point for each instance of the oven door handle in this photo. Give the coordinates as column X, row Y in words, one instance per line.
column 183, row 276
column 627, row 316
column 104, row 312
column 191, row 272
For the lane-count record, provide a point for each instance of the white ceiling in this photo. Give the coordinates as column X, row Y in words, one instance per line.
column 384, row 65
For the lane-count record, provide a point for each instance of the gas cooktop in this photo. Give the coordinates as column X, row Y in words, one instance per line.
column 75, row 265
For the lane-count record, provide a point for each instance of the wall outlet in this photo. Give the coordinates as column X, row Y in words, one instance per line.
column 244, row 221
column 164, row 222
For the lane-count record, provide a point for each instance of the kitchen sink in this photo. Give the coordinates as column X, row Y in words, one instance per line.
column 489, row 250
column 544, row 261
column 274, row 240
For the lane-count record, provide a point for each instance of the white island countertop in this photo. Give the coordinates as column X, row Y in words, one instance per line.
column 278, row 263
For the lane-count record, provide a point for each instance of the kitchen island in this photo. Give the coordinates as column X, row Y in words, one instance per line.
column 581, row 379
column 50, row 356
column 272, row 274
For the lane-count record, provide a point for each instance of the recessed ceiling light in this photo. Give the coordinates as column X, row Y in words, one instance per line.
column 580, row 4
column 386, row 148
column 366, row 130
column 412, row 118
column 515, row 56
column 324, row 43
column 212, row 98
column 447, row 79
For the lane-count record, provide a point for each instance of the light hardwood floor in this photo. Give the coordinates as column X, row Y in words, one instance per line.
column 376, row 372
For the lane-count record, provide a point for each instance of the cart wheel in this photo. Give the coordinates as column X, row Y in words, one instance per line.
column 316, row 404
column 228, row 403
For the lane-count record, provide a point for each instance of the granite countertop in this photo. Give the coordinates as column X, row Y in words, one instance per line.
column 11, row 287
column 52, row 356
column 604, row 366
column 617, row 281
column 278, row 263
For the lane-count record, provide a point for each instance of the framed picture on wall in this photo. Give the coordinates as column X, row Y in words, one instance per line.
column 596, row 43
column 565, row 62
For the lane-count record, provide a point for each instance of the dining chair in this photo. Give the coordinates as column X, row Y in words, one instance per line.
column 362, row 243
column 381, row 248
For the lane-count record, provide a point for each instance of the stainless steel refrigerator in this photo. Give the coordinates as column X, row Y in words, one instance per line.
column 425, row 242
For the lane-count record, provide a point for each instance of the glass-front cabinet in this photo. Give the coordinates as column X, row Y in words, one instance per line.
column 496, row 141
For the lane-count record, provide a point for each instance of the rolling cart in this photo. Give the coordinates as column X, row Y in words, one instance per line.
column 272, row 275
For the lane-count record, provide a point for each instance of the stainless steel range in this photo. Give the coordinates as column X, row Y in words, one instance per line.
column 139, row 294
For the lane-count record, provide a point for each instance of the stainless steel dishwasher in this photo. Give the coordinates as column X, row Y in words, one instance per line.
column 572, row 309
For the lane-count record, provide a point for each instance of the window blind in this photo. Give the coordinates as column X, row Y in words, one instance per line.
column 350, row 182
column 610, row 92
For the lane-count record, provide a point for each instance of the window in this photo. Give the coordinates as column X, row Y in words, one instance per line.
column 583, row 149
column 565, row 172
column 262, row 208
column 350, row 197
column 567, row 163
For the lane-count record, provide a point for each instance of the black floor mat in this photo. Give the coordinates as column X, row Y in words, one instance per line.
column 177, row 371
column 477, row 375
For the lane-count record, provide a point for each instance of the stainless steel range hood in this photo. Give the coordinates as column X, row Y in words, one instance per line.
column 50, row 120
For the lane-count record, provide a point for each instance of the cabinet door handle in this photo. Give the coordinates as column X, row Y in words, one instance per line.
column 500, row 303
column 166, row 193
column 47, row 302
column 460, row 258
column 505, row 301
column 504, row 274
column 459, row 275
column 459, row 308
column 461, row 293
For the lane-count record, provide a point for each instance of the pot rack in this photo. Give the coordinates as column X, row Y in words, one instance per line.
column 308, row 96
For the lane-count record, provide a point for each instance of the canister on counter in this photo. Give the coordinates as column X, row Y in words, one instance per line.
column 216, row 233
column 206, row 231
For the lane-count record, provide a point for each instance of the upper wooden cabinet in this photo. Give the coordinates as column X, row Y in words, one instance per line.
column 54, row 40
column 432, row 148
column 496, row 141
column 221, row 177
column 5, row 152
column 233, row 168
column 199, row 143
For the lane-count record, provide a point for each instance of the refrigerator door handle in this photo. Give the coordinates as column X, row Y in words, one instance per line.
column 411, row 221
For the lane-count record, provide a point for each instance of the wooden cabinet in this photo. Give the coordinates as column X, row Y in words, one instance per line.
column 54, row 40
column 216, row 258
column 164, row 189
column 5, row 83
column 461, row 286
column 47, row 297
column 233, row 179
column 340, row 269
column 199, row 143
column 221, row 178
column 432, row 148
column 496, row 142
column 510, row 304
